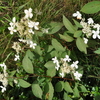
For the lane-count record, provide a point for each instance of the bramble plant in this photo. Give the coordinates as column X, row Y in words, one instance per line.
column 47, row 62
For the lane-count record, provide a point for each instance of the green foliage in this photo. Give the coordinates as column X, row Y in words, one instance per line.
column 59, row 86
column 91, row 7
column 66, row 37
column 37, row 91
column 49, row 65
column 49, row 91
column 24, row 83
column 97, row 51
column 67, row 87
column 27, row 65
column 66, row 97
column 81, row 45
column 57, row 45
column 78, row 34
column 68, row 25
column 55, row 27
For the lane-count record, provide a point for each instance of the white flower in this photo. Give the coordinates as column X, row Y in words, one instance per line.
column 16, row 57
column 12, row 30
column 57, row 67
column 78, row 15
column 5, row 82
column 67, row 58
column 85, row 40
column 31, row 31
column 3, row 65
column 15, row 81
column 28, row 13
column 32, row 24
column 61, row 74
column 13, row 23
column 96, row 34
column 3, row 89
column 32, row 45
column 75, row 64
column 16, row 47
column 77, row 75
column 55, row 60
column 97, row 26
column 45, row 30
column 90, row 21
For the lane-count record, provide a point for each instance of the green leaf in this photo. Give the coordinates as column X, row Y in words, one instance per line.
column 83, row 89
column 29, row 54
column 97, row 51
column 49, row 91
column 91, row 7
column 77, row 23
column 38, row 50
column 76, row 92
column 97, row 97
column 50, row 65
column 55, row 27
column 50, row 47
column 81, row 45
column 66, row 37
column 37, row 91
column 27, row 65
column 77, row 34
column 67, row 87
column 24, row 83
column 81, row 99
column 51, row 72
column 66, row 97
column 57, row 45
column 59, row 86
column 68, row 25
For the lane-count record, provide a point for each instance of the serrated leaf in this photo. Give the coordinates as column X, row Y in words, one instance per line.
column 66, row 37
column 51, row 72
column 57, row 45
column 59, row 86
column 67, row 87
column 50, row 65
column 77, row 34
column 91, row 7
column 81, row 45
column 68, row 25
column 55, row 27
column 27, row 65
column 24, row 83
column 66, row 97
column 37, row 91
column 97, row 51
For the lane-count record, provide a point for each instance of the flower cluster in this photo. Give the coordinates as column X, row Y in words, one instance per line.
column 64, row 67
column 3, row 77
column 25, row 29
column 89, row 28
